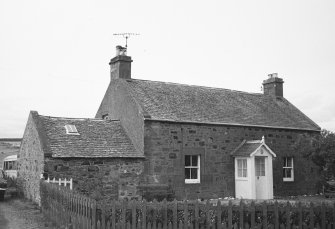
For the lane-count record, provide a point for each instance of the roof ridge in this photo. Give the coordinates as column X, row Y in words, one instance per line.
column 199, row 86
column 78, row 119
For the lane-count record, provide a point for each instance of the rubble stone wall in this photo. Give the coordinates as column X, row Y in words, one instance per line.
column 100, row 178
column 166, row 143
column 30, row 162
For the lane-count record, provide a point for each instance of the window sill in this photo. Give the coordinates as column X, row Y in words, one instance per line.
column 192, row 181
column 288, row 179
column 242, row 179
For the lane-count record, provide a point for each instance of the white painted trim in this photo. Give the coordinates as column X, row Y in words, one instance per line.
column 194, row 181
column 268, row 148
column 289, row 179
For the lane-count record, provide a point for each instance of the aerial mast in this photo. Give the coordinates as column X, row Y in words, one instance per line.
column 126, row 35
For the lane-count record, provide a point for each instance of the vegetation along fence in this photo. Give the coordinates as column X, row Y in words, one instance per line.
column 69, row 209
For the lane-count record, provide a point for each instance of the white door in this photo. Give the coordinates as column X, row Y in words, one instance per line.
column 261, row 177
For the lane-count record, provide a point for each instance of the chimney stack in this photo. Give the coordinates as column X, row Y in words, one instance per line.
column 120, row 65
column 273, row 86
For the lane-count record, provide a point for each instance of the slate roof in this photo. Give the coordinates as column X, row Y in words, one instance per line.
column 246, row 148
column 97, row 138
column 187, row 103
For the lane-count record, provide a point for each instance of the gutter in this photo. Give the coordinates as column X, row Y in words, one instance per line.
column 231, row 124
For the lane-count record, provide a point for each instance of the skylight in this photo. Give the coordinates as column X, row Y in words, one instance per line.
column 71, row 129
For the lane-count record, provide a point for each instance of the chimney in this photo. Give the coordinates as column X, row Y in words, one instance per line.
column 273, row 86
column 120, row 65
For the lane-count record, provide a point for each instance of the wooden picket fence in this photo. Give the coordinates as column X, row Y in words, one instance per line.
column 71, row 210
column 60, row 182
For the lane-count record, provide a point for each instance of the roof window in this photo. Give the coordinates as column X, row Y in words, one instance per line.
column 71, row 129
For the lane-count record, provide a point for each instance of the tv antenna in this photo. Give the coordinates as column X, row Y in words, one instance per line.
column 126, row 35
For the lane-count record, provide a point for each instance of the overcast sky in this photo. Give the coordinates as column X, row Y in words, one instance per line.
column 54, row 54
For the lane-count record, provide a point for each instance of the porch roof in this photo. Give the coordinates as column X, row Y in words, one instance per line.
column 248, row 148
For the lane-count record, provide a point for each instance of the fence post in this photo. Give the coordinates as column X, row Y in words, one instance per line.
column 218, row 215
column 185, row 214
column 311, row 213
column 323, row 215
column 300, row 215
column 155, row 213
column 241, row 214
column 113, row 214
column 288, row 220
column 165, row 216
column 208, row 215
column 276, row 215
column 144, row 214
column 103, row 216
column 124, row 209
column 133, row 214
column 196, row 214
column 265, row 215
column 230, row 215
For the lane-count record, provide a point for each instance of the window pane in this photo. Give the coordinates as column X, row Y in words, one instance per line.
column 187, row 173
column 239, row 164
column 260, row 166
column 194, row 160
column 287, row 173
column 239, row 172
column 194, row 173
column 244, row 163
column 245, row 173
column 289, row 162
column 187, row 160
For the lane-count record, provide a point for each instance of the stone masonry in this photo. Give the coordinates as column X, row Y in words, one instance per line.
column 102, row 179
column 167, row 143
column 30, row 162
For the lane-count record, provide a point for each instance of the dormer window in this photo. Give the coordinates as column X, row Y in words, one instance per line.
column 71, row 129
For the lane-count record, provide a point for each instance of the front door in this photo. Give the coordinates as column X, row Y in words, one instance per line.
column 261, row 177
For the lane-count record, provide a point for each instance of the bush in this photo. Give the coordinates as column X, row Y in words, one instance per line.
column 3, row 181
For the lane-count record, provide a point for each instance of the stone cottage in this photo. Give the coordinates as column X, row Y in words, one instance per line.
column 175, row 140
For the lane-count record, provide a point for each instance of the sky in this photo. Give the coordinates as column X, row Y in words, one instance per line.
column 54, row 55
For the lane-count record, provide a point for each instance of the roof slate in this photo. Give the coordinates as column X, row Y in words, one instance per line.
column 187, row 103
column 97, row 138
column 246, row 149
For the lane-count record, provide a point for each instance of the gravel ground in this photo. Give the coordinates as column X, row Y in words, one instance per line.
column 21, row 214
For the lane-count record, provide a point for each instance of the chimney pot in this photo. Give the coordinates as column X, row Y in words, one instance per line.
column 121, row 51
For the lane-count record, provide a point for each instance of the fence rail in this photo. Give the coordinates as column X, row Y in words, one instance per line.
column 60, row 181
column 67, row 208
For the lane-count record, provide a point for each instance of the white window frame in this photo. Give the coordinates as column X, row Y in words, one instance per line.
column 243, row 168
column 285, row 166
column 71, row 129
column 197, row 180
column 261, row 172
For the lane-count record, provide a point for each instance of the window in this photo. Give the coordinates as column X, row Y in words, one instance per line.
column 192, row 169
column 288, row 169
column 71, row 129
column 242, row 168
column 260, row 166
